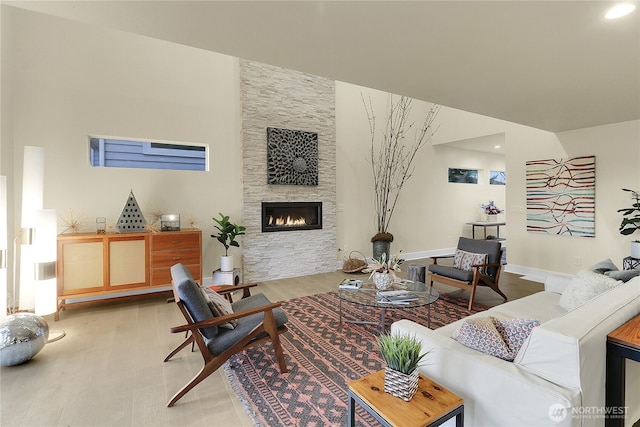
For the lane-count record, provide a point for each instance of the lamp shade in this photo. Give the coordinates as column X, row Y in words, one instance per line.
column 44, row 248
column 32, row 200
column 32, row 185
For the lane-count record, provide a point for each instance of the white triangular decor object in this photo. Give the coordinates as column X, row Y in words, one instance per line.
column 131, row 219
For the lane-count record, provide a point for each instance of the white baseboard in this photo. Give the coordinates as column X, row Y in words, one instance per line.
column 528, row 273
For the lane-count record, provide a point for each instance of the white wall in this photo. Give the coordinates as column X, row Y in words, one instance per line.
column 72, row 80
column 617, row 154
column 431, row 212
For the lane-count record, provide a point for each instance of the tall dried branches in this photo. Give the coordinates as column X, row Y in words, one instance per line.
column 391, row 160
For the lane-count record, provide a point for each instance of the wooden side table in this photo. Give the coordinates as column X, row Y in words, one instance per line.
column 431, row 406
column 484, row 226
column 623, row 343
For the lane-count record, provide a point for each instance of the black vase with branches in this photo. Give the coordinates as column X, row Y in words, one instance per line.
column 392, row 159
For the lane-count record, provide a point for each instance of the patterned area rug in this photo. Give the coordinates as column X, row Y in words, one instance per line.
column 322, row 358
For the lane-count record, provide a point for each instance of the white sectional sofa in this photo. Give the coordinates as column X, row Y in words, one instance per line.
column 560, row 366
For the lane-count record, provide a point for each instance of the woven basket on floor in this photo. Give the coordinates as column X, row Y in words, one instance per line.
column 400, row 385
column 354, row 265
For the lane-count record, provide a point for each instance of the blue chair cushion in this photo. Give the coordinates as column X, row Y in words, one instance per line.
column 227, row 337
column 191, row 296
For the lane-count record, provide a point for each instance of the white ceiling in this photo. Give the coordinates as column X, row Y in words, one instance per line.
column 553, row 65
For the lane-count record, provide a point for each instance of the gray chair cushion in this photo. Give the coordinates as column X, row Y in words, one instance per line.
column 192, row 298
column 490, row 247
column 227, row 337
column 452, row 272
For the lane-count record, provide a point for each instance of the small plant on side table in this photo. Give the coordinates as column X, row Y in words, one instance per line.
column 402, row 355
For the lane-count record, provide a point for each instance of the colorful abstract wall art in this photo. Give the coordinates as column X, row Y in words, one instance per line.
column 561, row 196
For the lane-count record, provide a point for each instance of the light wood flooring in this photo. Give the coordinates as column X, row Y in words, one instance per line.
column 108, row 370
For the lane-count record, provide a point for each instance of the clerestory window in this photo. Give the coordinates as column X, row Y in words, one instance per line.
column 127, row 153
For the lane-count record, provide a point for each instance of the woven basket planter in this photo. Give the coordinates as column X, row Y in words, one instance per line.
column 400, row 385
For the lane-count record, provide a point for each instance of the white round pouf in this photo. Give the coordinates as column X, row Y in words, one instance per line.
column 22, row 336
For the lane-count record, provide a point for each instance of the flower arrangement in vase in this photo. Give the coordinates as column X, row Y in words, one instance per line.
column 383, row 271
column 490, row 209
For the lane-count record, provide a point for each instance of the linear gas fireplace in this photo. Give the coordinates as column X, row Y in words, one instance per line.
column 289, row 216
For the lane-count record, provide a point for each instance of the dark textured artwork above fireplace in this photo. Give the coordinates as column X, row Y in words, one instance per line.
column 290, row 216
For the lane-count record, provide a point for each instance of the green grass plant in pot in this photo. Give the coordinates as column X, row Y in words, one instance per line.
column 227, row 233
column 402, row 354
column 631, row 222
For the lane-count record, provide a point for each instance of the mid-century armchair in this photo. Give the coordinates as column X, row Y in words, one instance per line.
column 476, row 263
column 258, row 320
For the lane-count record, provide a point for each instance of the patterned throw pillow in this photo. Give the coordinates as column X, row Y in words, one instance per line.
column 496, row 337
column 481, row 334
column 465, row 260
column 514, row 331
column 219, row 306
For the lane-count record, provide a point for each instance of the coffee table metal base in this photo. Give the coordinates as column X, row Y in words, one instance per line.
column 382, row 324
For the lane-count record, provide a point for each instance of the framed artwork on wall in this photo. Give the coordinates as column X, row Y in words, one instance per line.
column 561, row 196
column 463, row 176
column 497, row 178
column 292, row 157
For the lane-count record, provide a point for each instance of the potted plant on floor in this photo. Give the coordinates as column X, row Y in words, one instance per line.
column 227, row 233
column 402, row 355
column 392, row 160
column 631, row 222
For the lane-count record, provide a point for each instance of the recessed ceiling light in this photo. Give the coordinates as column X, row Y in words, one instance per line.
column 496, row 146
column 620, row 10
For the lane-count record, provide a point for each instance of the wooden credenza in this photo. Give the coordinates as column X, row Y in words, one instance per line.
column 98, row 267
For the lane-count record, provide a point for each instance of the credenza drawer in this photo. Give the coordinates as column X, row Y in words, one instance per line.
column 174, row 241
column 169, row 258
column 162, row 276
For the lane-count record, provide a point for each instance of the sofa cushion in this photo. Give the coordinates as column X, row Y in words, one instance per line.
column 219, row 306
column 586, row 285
column 466, row 260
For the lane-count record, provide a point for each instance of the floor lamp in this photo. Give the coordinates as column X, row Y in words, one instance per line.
column 32, row 200
column 3, row 246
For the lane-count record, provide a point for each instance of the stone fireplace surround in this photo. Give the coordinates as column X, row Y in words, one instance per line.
column 277, row 97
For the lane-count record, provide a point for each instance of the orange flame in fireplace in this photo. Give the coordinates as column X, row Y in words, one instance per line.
column 287, row 222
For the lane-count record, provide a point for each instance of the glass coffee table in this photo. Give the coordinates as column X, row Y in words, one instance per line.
column 366, row 296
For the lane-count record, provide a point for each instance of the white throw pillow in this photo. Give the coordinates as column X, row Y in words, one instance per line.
column 586, row 285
